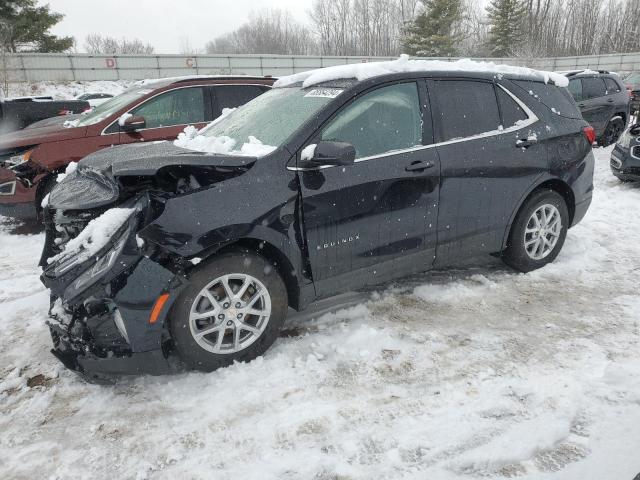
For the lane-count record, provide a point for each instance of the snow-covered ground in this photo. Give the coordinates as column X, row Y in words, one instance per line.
column 475, row 372
column 68, row 90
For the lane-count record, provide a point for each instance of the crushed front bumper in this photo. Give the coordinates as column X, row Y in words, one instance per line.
column 102, row 329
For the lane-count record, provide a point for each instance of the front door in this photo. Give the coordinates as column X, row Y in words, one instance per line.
column 375, row 219
column 167, row 114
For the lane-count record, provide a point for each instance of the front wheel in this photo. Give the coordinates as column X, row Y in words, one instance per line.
column 538, row 232
column 232, row 311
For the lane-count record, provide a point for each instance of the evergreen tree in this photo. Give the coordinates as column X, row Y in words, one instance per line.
column 432, row 33
column 26, row 27
column 506, row 32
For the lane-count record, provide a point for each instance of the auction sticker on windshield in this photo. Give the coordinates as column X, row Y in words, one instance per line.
column 324, row 92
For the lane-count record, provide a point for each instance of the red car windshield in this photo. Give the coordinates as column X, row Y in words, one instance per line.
column 112, row 105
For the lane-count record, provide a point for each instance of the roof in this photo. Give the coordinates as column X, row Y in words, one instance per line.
column 363, row 71
column 160, row 82
column 586, row 71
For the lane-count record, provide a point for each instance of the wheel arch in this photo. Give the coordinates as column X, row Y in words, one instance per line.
column 270, row 252
column 557, row 185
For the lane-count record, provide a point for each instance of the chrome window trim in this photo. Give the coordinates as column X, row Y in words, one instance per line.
column 102, row 133
column 532, row 118
column 13, row 188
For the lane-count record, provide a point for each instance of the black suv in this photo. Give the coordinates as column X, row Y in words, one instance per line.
column 323, row 185
column 603, row 100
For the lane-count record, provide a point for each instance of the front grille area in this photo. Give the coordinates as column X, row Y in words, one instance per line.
column 635, row 151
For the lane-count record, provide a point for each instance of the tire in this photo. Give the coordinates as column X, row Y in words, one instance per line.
column 256, row 331
column 516, row 254
column 612, row 132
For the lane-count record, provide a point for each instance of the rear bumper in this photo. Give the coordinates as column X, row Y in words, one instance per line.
column 21, row 202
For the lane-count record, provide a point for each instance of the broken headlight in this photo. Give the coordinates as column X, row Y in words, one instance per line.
column 17, row 158
column 103, row 264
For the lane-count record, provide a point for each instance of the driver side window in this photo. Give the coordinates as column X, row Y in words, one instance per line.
column 380, row 121
column 176, row 107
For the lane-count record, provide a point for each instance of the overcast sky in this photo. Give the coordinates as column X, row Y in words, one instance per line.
column 163, row 23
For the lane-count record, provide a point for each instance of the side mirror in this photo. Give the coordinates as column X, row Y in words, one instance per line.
column 133, row 123
column 330, row 153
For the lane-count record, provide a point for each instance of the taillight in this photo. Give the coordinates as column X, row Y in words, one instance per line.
column 590, row 134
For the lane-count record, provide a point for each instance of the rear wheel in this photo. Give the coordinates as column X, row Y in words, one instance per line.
column 538, row 232
column 612, row 132
column 232, row 311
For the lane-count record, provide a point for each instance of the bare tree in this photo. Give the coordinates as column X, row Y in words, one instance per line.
column 98, row 44
column 6, row 34
column 271, row 31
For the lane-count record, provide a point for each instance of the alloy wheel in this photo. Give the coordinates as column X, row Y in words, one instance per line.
column 230, row 313
column 542, row 231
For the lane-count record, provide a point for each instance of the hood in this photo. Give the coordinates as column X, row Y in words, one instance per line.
column 59, row 120
column 37, row 136
column 116, row 173
column 147, row 159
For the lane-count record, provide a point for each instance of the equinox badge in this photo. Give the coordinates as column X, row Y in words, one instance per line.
column 342, row 241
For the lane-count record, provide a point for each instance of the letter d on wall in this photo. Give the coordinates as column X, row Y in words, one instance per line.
column 110, row 62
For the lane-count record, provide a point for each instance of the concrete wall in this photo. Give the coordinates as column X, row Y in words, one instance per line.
column 33, row 67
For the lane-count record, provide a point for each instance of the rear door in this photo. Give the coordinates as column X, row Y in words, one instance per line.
column 375, row 219
column 595, row 107
column 168, row 113
column 485, row 166
column 233, row 96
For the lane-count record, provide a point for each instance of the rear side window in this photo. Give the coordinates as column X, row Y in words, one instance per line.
column 509, row 109
column 232, row 96
column 466, row 108
column 593, row 88
column 612, row 85
column 575, row 87
column 557, row 99
column 384, row 120
column 176, row 107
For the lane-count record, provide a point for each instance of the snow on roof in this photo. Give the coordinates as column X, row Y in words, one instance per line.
column 362, row 71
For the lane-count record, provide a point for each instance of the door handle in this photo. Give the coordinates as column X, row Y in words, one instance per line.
column 526, row 142
column 610, row 100
column 418, row 166
column 581, row 105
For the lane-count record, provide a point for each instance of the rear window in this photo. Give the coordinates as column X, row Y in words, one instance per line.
column 466, row 108
column 612, row 85
column 510, row 110
column 557, row 99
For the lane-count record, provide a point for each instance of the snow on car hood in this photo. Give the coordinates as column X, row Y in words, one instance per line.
column 362, row 71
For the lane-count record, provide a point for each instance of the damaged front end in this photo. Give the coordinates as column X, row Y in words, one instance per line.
column 111, row 290
column 103, row 281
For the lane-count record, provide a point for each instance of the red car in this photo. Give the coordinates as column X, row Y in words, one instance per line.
column 31, row 159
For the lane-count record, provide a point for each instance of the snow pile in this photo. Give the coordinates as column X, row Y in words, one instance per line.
column 191, row 139
column 123, row 118
column 308, row 152
column 71, row 123
column 362, row 71
column 95, row 235
column 72, row 167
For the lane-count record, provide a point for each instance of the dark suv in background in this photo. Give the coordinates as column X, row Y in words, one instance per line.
column 603, row 100
column 322, row 185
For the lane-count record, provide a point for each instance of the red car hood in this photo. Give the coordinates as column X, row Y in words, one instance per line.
column 36, row 136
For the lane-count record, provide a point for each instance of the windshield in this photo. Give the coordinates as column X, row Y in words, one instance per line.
column 633, row 78
column 111, row 106
column 272, row 117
